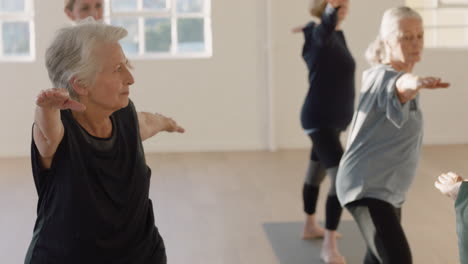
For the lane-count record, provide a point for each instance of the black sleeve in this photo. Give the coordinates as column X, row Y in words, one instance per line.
column 322, row 32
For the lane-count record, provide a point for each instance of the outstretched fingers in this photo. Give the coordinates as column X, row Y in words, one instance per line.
column 432, row 83
column 449, row 184
column 58, row 98
column 174, row 127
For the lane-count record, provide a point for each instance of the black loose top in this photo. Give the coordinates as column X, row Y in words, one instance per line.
column 93, row 202
column 329, row 102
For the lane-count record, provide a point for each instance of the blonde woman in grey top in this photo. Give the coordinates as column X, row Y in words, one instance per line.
column 385, row 138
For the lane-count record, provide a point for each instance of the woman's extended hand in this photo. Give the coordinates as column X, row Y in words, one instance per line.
column 408, row 85
column 168, row 124
column 58, row 98
column 297, row 29
column 151, row 124
column 431, row 83
column 449, row 184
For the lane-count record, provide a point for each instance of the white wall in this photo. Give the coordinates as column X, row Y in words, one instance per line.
column 446, row 111
column 222, row 101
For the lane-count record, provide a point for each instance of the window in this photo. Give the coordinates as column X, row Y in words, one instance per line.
column 163, row 28
column 445, row 22
column 16, row 30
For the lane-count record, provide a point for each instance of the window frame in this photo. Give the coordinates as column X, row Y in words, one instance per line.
column 26, row 16
column 439, row 5
column 171, row 13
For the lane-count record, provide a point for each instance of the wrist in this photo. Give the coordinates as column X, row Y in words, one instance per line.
column 47, row 110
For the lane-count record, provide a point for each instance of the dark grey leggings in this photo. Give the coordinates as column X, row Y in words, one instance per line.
column 380, row 226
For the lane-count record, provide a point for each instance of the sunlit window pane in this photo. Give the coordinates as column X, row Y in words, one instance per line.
column 124, row 5
column 130, row 42
column 163, row 28
column 454, row 2
column 11, row 5
column 154, row 4
column 15, row 38
column 157, row 35
column 190, row 6
column 190, row 35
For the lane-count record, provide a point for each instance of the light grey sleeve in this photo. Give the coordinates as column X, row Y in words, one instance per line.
column 387, row 99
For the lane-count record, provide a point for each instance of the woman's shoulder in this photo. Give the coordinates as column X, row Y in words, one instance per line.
column 376, row 75
column 380, row 67
column 311, row 24
column 379, row 71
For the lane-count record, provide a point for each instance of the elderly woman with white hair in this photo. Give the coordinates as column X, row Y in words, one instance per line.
column 384, row 142
column 326, row 112
column 87, row 156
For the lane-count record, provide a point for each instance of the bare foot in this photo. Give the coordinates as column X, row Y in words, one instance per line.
column 330, row 253
column 332, row 257
column 313, row 232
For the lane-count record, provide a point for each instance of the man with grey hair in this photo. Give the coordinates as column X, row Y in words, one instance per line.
column 87, row 156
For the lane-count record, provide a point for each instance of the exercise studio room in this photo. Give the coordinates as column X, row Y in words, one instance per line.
column 234, row 132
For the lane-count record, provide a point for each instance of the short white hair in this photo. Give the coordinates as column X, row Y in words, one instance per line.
column 72, row 52
column 376, row 53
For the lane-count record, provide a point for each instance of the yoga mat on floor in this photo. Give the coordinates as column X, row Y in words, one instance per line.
column 289, row 248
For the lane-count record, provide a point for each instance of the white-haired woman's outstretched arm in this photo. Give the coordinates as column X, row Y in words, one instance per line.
column 48, row 128
column 408, row 85
column 151, row 124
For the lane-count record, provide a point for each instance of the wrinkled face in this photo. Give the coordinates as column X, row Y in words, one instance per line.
column 410, row 41
column 111, row 87
column 343, row 11
column 85, row 8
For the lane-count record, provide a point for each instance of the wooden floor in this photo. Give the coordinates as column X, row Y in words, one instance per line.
column 211, row 207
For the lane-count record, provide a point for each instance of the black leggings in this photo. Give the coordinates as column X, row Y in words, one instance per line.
column 326, row 154
column 380, row 225
column 326, row 147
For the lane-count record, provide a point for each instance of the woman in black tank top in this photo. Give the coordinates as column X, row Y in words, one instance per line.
column 87, row 156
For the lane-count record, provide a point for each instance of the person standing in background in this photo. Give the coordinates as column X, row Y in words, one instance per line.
column 80, row 9
column 327, row 111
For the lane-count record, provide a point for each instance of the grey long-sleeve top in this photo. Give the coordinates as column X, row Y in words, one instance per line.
column 461, row 209
column 384, row 142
